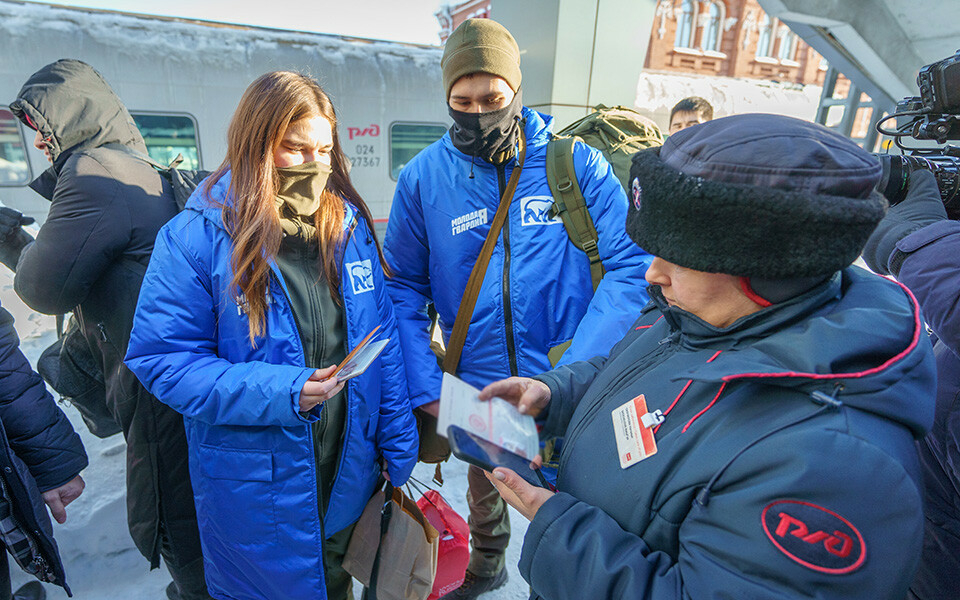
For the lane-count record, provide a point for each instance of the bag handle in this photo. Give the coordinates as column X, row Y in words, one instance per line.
column 458, row 336
column 386, row 512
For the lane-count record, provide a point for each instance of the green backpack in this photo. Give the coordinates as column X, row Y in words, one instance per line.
column 618, row 133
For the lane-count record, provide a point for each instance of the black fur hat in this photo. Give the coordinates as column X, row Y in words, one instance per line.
column 755, row 195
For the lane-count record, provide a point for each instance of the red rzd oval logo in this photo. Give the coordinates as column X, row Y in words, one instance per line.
column 814, row 537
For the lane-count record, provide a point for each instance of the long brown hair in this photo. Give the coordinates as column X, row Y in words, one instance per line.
column 268, row 107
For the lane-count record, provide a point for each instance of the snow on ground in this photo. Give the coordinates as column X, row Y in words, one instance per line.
column 100, row 559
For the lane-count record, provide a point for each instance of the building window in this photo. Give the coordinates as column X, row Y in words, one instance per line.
column 407, row 139
column 788, row 46
column 765, row 41
column 167, row 136
column 712, row 27
column 685, row 23
column 14, row 169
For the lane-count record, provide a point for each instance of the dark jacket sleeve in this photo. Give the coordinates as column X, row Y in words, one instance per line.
column 37, row 430
column 86, row 229
column 728, row 542
column 931, row 269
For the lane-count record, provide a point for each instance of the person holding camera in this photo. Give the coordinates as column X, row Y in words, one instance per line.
column 920, row 246
column 752, row 436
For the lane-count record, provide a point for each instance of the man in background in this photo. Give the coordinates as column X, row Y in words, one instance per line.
column 689, row 112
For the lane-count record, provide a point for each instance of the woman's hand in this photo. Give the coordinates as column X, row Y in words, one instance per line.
column 319, row 388
column 518, row 493
column 530, row 396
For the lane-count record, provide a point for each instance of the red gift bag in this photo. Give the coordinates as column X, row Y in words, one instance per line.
column 454, row 552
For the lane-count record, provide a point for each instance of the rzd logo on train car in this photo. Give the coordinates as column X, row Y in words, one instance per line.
column 372, row 131
column 814, row 537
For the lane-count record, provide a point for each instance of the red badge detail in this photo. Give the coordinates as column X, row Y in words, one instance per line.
column 814, row 537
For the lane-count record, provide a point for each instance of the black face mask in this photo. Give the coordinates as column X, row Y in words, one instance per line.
column 491, row 135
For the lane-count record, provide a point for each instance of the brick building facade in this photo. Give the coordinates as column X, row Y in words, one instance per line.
column 729, row 38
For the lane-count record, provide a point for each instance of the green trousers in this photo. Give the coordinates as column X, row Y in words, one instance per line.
column 489, row 525
column 339, row 583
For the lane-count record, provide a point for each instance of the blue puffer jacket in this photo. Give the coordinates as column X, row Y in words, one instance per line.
column 39, row 450
column 785, row 465
column 251, row 451
column 537, row 292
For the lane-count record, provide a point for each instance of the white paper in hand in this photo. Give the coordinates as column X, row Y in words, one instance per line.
column 497, row 421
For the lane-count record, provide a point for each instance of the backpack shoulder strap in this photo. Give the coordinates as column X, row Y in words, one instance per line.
column 569, row 204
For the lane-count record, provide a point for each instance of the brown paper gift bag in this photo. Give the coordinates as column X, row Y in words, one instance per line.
column 398, row 540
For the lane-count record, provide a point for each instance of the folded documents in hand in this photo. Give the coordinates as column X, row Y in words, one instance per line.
column 496, row 421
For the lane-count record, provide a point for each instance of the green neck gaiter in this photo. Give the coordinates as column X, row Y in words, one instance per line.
column 298, row 197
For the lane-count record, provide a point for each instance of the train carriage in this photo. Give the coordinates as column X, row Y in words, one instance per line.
column 181, row 79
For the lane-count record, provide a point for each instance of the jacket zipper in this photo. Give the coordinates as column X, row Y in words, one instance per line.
column 41, row 569
column 667, row 345
column 507, row 311
column 303, row 362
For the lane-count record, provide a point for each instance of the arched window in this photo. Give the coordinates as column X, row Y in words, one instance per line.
column 685, row 23
column 712, row 27
column 765, row 41
column 788, row 46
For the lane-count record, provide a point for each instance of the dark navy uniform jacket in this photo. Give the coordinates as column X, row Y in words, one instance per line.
column 785, row 464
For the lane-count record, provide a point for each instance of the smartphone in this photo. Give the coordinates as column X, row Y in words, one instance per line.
column 477, row 451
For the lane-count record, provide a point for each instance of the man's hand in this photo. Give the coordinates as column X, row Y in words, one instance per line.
column 58, row 498
column 11, row 221
column 922, row 206
column 319, row 388
column 530, row 396
column 518, row 493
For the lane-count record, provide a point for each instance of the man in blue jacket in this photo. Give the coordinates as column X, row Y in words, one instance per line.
column 919, row 245
column 41, row 457
column 537, row 294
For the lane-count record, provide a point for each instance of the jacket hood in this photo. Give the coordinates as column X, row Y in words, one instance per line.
column 210, row 205
column 537, row 130
column 857, row 338
column 74, row 107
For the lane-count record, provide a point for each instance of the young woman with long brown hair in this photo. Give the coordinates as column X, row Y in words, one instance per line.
column 267, row 279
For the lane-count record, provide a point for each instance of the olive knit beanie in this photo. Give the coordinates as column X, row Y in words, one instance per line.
column 480, row 46
column 755, row 195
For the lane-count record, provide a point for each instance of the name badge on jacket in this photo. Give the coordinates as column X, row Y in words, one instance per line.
column 633, row 426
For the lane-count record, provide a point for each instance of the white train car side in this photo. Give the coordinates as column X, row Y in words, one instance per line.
column 182, row 79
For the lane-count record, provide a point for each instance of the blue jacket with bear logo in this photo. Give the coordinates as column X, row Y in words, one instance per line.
column 537, row 292
column 251, row 450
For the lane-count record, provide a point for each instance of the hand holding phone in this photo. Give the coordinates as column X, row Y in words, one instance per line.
column 488, row 456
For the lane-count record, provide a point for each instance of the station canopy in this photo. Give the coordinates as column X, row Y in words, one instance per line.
column 879, row 44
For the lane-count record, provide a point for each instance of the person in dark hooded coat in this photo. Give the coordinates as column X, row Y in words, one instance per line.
column 89, row 257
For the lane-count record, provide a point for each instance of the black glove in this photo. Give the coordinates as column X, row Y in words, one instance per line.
column 921, row 207
column 12, row 236
column 11, row 221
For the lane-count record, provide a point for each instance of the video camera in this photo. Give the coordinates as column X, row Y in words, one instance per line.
column 934, row 115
